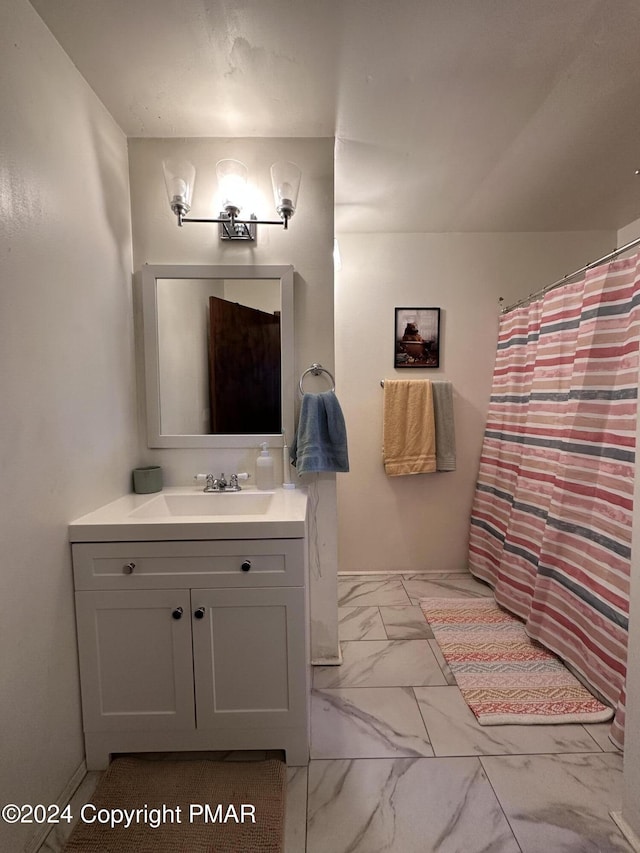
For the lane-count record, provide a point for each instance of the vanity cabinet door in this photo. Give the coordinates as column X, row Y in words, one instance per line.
column 249, row 654
column 135, row 659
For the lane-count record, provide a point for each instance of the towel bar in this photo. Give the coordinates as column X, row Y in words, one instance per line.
column 316, row 369
column 433, row 381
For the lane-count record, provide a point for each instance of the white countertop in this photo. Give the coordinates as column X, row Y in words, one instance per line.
column 117, row 522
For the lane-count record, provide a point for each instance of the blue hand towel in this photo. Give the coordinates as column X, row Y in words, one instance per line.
column 320, row 443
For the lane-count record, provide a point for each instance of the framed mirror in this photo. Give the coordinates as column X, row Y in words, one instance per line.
column 218, row 355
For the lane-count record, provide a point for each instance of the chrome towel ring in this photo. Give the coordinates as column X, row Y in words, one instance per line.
column 316, row 369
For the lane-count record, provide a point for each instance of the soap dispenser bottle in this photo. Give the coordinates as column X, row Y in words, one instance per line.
column 264, row 469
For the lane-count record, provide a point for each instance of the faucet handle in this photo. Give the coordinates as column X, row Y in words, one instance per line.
column 210, row 481
column 233, row 481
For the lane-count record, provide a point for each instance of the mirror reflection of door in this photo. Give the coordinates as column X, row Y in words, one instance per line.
column 244, row 369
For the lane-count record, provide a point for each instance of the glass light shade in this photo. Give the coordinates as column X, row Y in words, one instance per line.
column 232, row 183
column 285, row 178
column 179, row 178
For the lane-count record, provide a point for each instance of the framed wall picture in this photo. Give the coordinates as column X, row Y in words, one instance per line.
column 417, row 337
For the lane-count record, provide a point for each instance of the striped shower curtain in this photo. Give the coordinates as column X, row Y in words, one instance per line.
column 552, row 513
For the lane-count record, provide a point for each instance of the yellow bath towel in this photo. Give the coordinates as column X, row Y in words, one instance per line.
column 409, row 435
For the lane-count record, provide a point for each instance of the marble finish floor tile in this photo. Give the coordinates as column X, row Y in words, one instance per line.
column 367, row 722
column 360, row 623
column 454, row 730
column 406, row 805
column 560, row 802
column 377, row 663
column 450, row 585
column 600, row 733
column 362, row 590
column 405, row 623
column 295, row 827
column 449, row 677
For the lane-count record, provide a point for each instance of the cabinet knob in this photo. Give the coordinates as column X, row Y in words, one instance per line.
column 128, row 568
column 199, row 614
column 246, row 565
column 177, row 613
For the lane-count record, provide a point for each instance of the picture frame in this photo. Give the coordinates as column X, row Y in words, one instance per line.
column 417, row 338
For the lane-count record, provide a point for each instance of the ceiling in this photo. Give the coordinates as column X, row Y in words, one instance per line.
column 449, row 115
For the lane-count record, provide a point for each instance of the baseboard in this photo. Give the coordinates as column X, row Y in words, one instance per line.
column 630, row 836
column 402, row 572
column 332, row 661
column 37, row 840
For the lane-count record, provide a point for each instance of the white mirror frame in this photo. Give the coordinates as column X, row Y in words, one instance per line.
column 150, row 274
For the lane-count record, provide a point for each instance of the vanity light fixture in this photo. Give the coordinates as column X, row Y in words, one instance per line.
column 180, row 175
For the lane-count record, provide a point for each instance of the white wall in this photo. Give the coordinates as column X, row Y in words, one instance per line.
column 421, row 523
column 307, row 244
column 628, row 233
column 67, row 387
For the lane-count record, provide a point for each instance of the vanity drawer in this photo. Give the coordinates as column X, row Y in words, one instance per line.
column 163, row 565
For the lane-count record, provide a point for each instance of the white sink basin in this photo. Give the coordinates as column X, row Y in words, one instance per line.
column 184, row 513
column 204, row 505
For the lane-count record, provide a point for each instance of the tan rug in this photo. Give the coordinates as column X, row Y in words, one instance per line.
column 184, row 807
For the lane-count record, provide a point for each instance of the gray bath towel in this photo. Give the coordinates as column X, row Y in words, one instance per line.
column 320, row 443
column 445, row 432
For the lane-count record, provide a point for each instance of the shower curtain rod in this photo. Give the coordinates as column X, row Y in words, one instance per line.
column 569, row 276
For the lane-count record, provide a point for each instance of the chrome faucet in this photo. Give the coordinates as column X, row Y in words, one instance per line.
column 220, row 484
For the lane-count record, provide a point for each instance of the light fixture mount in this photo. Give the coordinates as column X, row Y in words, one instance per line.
column 230, row 228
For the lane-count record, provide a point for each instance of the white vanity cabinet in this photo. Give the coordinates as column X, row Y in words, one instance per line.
column 193, row 645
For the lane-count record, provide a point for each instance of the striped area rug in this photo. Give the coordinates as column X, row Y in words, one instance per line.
column 505, row 676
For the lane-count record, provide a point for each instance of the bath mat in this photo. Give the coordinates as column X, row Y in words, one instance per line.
column 246, row 803
column 506, row 677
